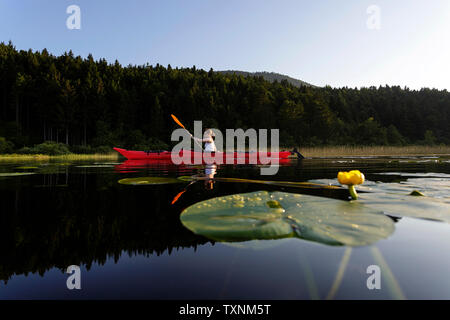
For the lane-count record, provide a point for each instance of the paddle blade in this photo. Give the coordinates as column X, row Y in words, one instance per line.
column 178, row 196
column 177, row 121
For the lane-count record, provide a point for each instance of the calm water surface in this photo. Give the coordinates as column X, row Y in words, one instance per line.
column 130, row 243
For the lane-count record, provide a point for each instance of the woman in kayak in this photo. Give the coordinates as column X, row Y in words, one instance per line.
column 208, row 139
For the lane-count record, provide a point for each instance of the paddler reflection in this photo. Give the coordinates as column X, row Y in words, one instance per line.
column 210, row 171
column 207, row 176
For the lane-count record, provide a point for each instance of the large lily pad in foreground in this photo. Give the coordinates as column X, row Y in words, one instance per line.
column 272, row 215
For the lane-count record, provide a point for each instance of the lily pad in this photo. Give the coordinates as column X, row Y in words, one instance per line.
column 189, row 178
column 15, row 174
column 405, row 205
column 97, row 166
column 273, row 215
column 397, row 199
column 416, row 174
column 27, row 168
column 149, row 181
column 107, row 163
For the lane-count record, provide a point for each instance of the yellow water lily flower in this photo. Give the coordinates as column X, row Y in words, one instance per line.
column 351, row 179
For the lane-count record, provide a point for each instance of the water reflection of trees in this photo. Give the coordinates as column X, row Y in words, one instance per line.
column 89, row 221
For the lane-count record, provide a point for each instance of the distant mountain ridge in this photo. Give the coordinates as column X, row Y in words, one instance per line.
column 269, row 76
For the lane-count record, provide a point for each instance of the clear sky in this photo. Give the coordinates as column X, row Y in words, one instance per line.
column 321, row 42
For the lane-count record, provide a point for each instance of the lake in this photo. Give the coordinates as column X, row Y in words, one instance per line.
column 130, row 243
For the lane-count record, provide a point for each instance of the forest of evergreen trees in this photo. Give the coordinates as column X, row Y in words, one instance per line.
column 93, row 105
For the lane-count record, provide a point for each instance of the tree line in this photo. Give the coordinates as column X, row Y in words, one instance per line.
column 91, row 105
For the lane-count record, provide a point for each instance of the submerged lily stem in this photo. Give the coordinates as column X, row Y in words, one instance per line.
column 309, row 277
column 340, row 274
column 391, row 281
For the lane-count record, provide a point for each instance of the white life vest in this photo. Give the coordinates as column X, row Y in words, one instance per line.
column 210, row 146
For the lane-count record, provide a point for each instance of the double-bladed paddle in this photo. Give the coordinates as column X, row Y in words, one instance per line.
column 181, row 125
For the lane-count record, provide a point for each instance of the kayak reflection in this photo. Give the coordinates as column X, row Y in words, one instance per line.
column 168, row 165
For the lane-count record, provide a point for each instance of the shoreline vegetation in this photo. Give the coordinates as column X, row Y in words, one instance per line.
column 308, row 152
column 46, row 157
column 342, row 151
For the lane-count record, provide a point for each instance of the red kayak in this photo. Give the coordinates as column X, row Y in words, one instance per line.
column 221, row 157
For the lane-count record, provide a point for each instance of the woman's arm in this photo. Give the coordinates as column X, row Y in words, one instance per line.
column 209, row 139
